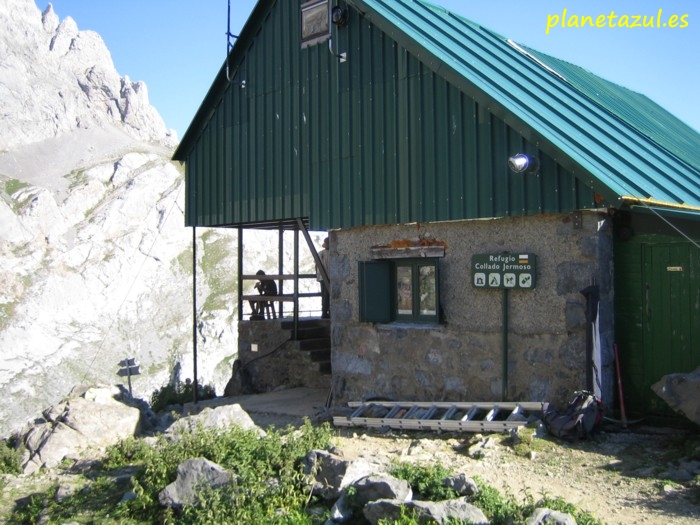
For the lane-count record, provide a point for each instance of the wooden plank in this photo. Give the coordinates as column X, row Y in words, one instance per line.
column 277, row 298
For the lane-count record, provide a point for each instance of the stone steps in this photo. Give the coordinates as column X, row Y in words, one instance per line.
column 314, row 337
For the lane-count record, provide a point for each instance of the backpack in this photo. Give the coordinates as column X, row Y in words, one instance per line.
column 580, row 419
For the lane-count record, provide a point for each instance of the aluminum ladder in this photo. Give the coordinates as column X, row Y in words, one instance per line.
column 448, row 416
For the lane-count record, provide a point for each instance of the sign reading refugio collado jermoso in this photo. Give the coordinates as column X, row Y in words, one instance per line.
column 504, row 270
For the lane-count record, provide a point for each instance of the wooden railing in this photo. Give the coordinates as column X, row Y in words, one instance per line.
column 281, row 298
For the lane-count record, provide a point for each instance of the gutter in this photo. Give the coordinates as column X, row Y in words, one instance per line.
column 638, row 201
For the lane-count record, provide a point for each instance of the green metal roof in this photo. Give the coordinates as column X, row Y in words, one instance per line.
column 626, row 142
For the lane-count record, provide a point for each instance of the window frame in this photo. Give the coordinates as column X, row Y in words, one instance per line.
column 379, row 299
column 416, row 315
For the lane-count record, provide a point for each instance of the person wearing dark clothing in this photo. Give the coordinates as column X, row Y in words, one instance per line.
column 260, row 308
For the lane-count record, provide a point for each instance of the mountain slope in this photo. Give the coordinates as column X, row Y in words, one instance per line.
column 95, row 261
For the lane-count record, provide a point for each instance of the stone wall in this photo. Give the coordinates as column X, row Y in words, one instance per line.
column 270, row 359
column 462, row 359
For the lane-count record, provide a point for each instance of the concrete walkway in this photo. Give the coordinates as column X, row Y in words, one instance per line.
column 279, row 408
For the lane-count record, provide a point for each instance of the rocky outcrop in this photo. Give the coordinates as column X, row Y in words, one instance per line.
column 91, row 418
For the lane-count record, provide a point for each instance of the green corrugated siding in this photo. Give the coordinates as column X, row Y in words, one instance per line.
column 379, row 139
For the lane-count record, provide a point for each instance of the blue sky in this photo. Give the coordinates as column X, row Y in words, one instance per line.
column 177, row 47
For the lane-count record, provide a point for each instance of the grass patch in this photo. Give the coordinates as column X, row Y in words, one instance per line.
column 12, row 186
column 427, row 484
column 499, row 509
column 76, row 178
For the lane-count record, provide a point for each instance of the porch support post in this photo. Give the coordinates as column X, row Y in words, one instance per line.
column 240, row 273
column 194, row 310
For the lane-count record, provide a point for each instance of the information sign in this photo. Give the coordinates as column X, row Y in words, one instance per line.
column 504, row 270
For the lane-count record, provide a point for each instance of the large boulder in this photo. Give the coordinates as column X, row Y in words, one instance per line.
column 90, row 418
column 448, row 511
column 330, row 473
column 192, row 476
column 682, row 393
column 367, row 489
column 216, row 418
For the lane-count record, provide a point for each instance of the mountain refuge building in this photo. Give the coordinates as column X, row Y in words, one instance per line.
column 502, row 223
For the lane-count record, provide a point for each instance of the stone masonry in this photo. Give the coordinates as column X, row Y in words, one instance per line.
column 461, row 360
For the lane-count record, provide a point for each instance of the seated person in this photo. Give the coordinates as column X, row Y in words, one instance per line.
column 260, row 308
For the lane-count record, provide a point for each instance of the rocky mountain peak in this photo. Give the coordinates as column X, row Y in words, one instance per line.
column 71, row 79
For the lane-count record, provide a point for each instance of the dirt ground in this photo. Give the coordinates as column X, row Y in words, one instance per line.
column 638, row 475
column 621, row 477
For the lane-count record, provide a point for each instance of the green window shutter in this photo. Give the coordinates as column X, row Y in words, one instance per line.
column 376, row 291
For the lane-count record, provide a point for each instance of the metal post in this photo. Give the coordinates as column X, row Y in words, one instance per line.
column 128, row 376
column 280, row 271
column 504, row 394
column 296, row 283
column 240, row 273
column 194, row 308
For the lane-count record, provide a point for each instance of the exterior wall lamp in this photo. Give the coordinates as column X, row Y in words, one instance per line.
column 339, row 15
column 522, row 163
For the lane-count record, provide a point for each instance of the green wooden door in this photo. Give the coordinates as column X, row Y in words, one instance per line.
column 670, row 315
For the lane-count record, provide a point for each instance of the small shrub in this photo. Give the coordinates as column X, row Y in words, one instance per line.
column 127, row 452
column 499, row 509
column 29, row 511
column 10, row 458
column 426, row 481
column 178, row 394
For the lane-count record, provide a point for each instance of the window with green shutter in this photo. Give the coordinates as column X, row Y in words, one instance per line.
column 402, row 290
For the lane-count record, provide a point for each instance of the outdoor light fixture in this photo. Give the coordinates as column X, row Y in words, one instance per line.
column 522, row 163
column 339, row 15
